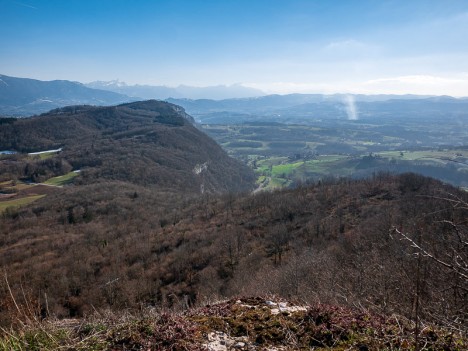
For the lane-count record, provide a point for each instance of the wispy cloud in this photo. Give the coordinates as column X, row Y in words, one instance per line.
column 348, row 49
column 348, row 44
column 420, row 84
column 24, row 5
column 409, row 84
column 417, row 79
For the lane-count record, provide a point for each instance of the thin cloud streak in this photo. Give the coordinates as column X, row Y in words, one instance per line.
column 24, row 5
column 364, row 47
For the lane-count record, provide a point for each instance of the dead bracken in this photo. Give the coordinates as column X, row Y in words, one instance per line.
column 253, row 323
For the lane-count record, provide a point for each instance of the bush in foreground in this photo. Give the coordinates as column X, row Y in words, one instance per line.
column 237, row 324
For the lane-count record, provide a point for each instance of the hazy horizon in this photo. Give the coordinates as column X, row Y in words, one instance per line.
column 357, row 47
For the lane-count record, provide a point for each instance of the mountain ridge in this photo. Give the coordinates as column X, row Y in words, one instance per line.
column 147, row 142
column 304, row 108
column 25, row 96
column 143, row 91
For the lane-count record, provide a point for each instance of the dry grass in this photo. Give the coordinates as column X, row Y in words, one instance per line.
column 18, row 202
column 251, row 320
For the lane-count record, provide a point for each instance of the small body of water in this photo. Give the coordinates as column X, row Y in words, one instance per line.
column 7, row 152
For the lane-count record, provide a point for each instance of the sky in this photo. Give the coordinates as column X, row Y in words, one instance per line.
column 278, row 46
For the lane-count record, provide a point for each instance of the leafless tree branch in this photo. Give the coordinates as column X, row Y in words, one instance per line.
column 458, row 268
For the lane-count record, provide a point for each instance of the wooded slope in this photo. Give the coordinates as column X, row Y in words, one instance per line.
column 146, row 143
column 336, row 242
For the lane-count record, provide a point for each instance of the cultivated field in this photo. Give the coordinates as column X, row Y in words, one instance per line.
column 14, row 194
column 62, row 180
column 285, row 155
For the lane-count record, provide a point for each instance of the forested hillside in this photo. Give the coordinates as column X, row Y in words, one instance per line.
column 154, row 214
column 392, row 244
column 146, row 143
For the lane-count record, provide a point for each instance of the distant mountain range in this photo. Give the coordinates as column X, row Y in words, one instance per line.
column 25, row 97
column 20, row 97
column 306, row 108
column 182, row 91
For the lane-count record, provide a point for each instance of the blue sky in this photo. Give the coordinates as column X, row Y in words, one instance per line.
column 378, row 46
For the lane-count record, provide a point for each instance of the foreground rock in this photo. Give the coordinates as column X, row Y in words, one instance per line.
column 238, row 324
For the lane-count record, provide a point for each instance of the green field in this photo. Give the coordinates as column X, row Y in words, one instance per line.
column 447, row 165
column 22, row 193
column 274, row 140
column 433, row 155
column 16, row 186
column 283, row 155
column 277, row 172
column 22, row 190
column 18, row 202
column 61, row 180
